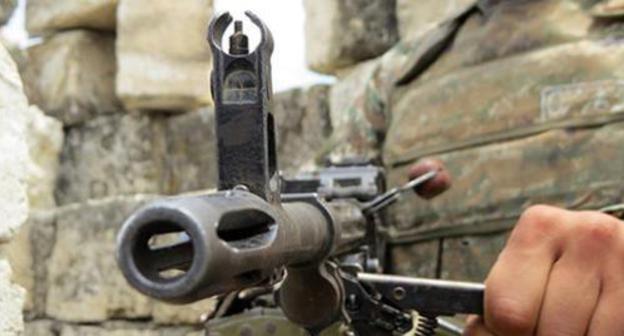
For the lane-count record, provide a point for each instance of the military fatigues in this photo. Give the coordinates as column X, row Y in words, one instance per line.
column 522, row 100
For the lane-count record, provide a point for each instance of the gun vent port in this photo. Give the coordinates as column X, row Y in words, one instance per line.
column 247, row 229
column 163, row 252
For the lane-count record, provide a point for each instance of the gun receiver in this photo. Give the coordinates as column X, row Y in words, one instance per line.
column 260, row 230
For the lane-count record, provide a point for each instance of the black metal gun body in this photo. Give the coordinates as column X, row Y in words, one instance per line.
column 227, row 241
column 259, row 229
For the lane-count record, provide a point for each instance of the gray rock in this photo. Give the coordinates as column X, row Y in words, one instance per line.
column 71, row 76
column 83, row 281
column 28, row 254
column 45, row 141
column 42, row 328
column 303, row 125
column 14, row 165
column 11, row 301
column 13, row 148
column 112, row 155
column 342, row 33
column 191, row 162
column 45, row 16
column 164, row 63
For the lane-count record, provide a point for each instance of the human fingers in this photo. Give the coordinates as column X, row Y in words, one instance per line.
column 476, row 327
column 517, row 283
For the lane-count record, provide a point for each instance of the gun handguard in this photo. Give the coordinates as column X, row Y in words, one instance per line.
column 225, row 241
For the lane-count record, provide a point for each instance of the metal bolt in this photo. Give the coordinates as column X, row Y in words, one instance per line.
column 399, row 293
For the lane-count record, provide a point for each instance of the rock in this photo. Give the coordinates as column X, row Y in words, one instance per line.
column 42, row 328
column 120, row 154
column 193, row 314
column 45, row 141
column 71, row 76
column 6, row 10
column 11, row 301
column 13, row 148
column 471, row 258
column 416, row 16
column 125, row 154
column 164, row 64
column 13, row 173
column 190, row 159
column 45, row 16
column 28, row 254
column 84, row 283
column 303, row 125
column 340, row 34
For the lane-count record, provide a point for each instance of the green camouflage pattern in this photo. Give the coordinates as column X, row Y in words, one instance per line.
column 568, row 85
column 511, row 28
column 365, row 100
column 470, row 258
column 494, row 183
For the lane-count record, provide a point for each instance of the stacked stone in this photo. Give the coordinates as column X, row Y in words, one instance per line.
column 14, row 164
column 128, row 81
column 521, row 103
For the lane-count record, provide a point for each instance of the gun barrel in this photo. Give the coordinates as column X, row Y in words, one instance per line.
column 184, row 249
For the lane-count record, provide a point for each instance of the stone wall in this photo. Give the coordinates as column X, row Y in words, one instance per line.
column 119, row 97
column 14, row 164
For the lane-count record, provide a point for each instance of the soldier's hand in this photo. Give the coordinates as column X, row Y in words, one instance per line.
column 561, row 274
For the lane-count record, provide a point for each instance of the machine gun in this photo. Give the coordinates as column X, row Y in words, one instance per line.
column 259, row 229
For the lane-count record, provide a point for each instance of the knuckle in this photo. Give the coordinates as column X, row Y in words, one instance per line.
column 597, row 229
column 507, row 316
column 537, row 222
column 540, row 217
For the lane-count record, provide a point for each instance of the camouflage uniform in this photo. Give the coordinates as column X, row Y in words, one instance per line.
column 519, row 98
